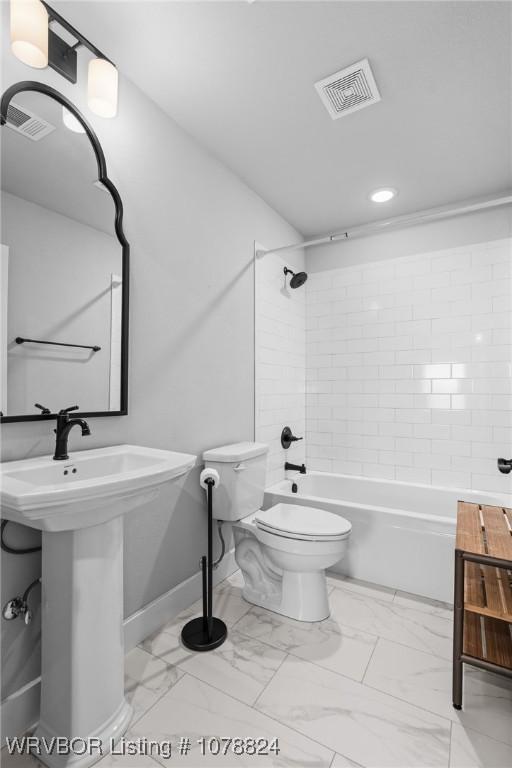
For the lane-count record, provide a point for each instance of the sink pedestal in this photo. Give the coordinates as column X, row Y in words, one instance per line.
column 82, row 679
column 79, row 506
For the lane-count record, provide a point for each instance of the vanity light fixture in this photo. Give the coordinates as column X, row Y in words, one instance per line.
column 34, row 42
column 383, row 195
column 71, row 122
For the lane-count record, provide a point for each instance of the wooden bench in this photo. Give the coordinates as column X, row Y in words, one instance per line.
column 482, row 623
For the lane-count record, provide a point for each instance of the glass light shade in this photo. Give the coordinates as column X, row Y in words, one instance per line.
column 102, row 88
column 71, row 122
column 29, row 32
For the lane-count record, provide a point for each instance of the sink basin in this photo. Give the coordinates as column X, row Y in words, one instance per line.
column 87, row 489
column 79, row 505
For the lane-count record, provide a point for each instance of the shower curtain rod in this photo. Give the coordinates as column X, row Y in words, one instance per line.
column 432, row 214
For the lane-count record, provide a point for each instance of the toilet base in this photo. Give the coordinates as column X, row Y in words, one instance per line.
column 303, row 597
column 195, row 636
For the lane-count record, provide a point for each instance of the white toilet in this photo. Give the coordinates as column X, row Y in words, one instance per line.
column 283, row 551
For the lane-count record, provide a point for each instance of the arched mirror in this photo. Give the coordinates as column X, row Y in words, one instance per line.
column 63, row 261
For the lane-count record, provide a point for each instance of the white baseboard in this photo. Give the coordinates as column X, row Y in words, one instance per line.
column 20, row 710
column 154, row 615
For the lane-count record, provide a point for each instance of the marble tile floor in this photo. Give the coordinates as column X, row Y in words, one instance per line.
column 370, row 686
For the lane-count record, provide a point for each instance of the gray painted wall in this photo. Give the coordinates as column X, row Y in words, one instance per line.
column 191, row 225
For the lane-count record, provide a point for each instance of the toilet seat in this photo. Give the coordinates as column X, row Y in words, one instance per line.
column 293, row 521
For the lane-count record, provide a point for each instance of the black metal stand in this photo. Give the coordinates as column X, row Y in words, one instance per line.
column 206, row 632
column 458, row 630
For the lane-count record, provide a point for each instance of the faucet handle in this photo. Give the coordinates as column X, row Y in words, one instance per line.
column 44, row 410
column 71, row 408
column 287, row 437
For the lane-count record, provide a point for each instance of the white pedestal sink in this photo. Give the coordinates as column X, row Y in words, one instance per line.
column 78, row 505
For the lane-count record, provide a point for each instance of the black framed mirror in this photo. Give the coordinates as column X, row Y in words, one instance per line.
column 64, row 263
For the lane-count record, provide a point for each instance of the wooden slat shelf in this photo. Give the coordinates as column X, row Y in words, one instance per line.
column 483, row 530
column 488, row 639
column 483, row 591
column 488, row 591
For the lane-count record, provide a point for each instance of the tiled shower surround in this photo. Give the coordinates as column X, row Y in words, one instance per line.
column 280, row 360
column 408, row 368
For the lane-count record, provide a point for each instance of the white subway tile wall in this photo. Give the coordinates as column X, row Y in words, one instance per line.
column 280, row 360
column 409, row 368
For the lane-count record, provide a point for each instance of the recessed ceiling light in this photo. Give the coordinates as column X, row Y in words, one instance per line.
column 383, row 195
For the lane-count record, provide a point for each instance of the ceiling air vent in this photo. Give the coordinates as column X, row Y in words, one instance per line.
column 27, row 123
column 348, row 90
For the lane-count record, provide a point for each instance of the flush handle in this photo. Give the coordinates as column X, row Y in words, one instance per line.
column 240, row 467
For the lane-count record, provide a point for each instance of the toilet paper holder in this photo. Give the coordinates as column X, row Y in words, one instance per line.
column 206, row 632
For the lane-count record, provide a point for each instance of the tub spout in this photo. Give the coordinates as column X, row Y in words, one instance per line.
column 296, row 467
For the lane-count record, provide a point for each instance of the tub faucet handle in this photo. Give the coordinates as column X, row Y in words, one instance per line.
column 287, row 438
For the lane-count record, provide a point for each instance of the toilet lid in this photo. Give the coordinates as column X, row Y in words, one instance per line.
column 296, row 521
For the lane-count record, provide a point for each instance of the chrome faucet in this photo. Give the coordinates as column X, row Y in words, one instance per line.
column 64, row 427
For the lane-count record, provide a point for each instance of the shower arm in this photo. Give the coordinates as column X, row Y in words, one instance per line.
column 408, row 220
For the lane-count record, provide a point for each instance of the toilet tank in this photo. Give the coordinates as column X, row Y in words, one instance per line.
column 242, row 469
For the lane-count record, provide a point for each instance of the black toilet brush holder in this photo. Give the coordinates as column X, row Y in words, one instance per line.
column 206, row 632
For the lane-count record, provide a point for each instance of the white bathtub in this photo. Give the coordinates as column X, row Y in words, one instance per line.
column 402, row 534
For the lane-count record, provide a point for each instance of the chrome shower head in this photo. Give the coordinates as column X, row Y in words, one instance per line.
column 298, row 278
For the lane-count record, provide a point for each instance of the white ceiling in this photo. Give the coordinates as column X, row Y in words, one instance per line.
column 240, row 76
